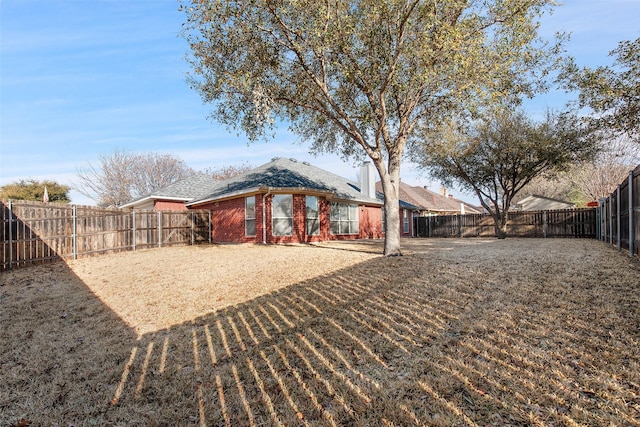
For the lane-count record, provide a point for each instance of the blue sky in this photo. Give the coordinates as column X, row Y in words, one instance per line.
column 81, row 78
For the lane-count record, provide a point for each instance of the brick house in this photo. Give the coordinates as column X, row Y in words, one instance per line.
column 174, row 196
column 283, row 201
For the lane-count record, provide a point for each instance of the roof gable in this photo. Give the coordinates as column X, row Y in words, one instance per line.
column 285, row 174
column 183, row 190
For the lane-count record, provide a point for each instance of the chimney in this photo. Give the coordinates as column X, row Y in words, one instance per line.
column 368, row 180
column 444, row 192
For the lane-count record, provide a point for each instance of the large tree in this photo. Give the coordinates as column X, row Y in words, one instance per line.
column 498, row 154
column 612, row 93
column 600, row 177
column 32, row 189
column 122, row 176
column 358, row 77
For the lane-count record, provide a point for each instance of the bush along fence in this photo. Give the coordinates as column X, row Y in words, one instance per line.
column 619, row 215
column 555, row 223
column 32, row 232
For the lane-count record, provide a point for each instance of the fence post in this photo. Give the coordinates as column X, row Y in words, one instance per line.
column 133, row 227
column 618, row 218
column 192, row 230
column 545, row 222
column 610, row 220
column 159, row 229
column 632, row 236
column 10, row 234
column 75, row 232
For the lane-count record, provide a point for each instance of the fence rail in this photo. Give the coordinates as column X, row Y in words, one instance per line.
column 32, row 232
column 557, row 223
column 619, row 215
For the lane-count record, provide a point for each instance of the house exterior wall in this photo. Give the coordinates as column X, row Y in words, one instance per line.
column 229, row 222
column 409, row 231
column 169, row 205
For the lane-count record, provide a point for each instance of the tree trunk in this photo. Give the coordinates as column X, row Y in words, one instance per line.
column 501, row 225
column 391, row 188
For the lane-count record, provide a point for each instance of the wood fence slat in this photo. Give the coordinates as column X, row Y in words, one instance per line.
column 33, row 232
column 561, row 223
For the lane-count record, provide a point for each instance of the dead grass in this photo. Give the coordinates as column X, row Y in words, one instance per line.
column 457, row 332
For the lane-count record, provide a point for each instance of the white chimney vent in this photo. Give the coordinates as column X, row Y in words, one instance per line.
column 368, row 180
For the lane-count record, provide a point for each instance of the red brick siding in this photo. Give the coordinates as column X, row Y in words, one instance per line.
column 370, row 222
column 229, row 222
column 410, row 219
column 169, row 205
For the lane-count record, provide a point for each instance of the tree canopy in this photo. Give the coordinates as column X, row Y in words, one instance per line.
column 122, row 176
column 612, row 93
column 358, row 77
column 498, row 154
column 31, row 189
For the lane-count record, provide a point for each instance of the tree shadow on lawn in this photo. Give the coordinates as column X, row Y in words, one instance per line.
column 61, row 348
column 416, row 340
column 424, row 339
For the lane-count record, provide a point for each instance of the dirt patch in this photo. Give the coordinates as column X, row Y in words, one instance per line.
column 456, row 332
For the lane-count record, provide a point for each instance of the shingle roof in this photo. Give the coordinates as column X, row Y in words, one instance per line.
column 185, row 190
column 282, row 173
column 428, row 200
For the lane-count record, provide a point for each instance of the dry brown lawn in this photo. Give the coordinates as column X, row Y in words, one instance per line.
column 473, row 332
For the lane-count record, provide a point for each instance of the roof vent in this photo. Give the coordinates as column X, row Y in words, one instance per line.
column 293, row 160
column 306, row 163
column 274, row 159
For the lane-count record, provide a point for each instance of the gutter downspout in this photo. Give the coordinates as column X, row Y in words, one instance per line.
column 264, row 217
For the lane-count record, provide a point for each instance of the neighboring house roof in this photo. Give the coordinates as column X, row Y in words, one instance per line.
column 184, row 190
column 427, row 200
column 536, row 202
column 283, row 174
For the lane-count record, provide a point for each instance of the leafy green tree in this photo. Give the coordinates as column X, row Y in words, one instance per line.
column 358, row 77
column 31, row 189
column 497, row 155
column 613, row 93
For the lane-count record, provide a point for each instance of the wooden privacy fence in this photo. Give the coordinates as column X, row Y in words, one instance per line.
column 556, row 223
column 32, row 232
column 619, row 215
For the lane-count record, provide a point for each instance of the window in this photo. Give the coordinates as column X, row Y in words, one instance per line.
column 312, row 217
column 282, row 214
column 344, row 218
column 250, row 216
column 405, row 221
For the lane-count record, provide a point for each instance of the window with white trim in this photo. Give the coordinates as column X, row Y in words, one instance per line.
column 250, row 216
column 405, row 221
column 312, row 216
column 282, row 214
column 343, row 218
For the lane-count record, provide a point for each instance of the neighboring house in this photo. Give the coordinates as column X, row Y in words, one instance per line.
column 430, row 203
column 542, row 203
column 283, row 201
column 174, row 196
